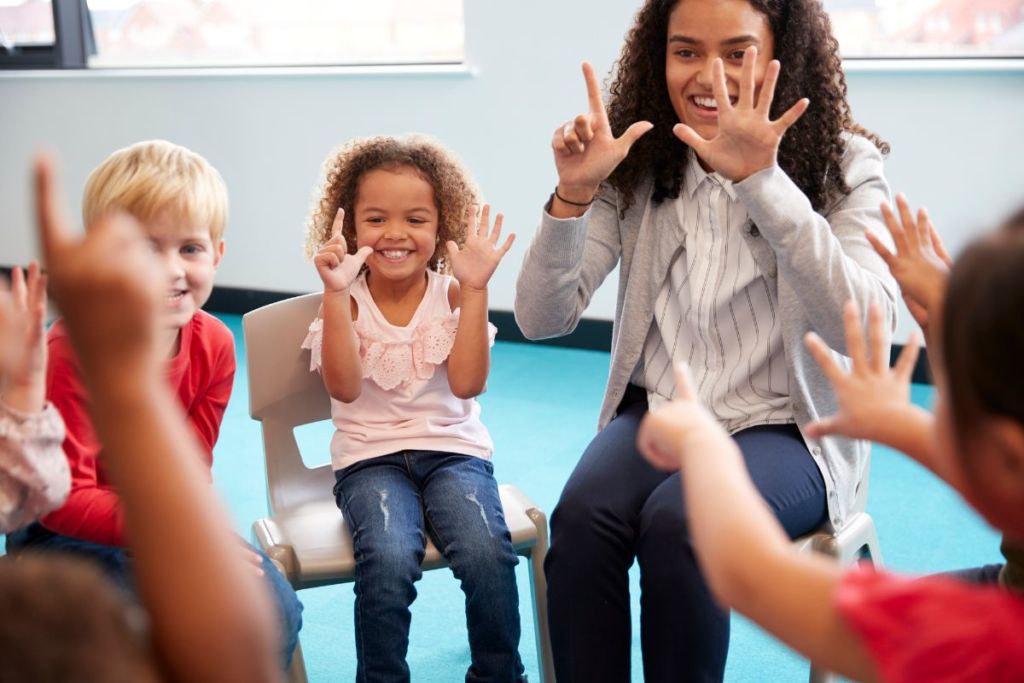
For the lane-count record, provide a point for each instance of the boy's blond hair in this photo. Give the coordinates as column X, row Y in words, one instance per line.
column 154, row 177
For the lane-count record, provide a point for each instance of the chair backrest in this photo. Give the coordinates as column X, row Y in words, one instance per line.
column 283, row 395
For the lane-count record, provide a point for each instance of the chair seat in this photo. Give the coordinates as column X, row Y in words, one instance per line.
column 313, row 543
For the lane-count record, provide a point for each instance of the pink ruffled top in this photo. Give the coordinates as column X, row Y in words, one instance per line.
column 34, row 474
column 405, row 402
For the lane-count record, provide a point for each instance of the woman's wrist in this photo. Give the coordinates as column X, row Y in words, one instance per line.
column 575, row 195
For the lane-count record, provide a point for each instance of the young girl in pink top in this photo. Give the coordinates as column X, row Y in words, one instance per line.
column 862, row 623
column 404, row 349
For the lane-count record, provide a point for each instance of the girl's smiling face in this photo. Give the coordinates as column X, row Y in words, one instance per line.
column 699, row 31
column 395, row 213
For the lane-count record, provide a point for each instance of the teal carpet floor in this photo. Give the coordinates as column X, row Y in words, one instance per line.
column 541, row 408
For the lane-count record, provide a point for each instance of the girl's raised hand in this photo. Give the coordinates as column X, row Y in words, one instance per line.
column 920, row 264
column 586, row 151
column 337, row 268
column 747, row 140
column 668, row 431
column 475, row 262
column 871, row 393
column 23, row 366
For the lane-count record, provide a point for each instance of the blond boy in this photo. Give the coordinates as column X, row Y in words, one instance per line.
column 181, row 202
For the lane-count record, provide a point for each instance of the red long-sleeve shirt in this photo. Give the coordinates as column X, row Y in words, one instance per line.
column 200, row 374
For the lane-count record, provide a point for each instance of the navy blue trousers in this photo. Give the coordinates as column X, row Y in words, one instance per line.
column 616, row 507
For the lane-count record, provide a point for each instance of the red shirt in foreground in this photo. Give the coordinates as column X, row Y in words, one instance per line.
column 200, row 375
column 935, row 628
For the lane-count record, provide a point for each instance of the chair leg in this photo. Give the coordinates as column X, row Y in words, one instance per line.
column 858, row 541
column 297, row 670
column 539, row 588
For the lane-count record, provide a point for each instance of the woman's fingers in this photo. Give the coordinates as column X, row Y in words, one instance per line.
column 583, row 128
column 691, row 138
column 719, row 87
column 791, row 116
column 631, row 135
column 771, row 77
column 571, row 139
column 746, row 98
column 594, row 100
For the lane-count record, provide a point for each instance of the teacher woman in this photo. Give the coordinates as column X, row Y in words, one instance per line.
column 729, row 183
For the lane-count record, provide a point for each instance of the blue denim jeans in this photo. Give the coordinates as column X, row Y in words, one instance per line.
column 391, row 502
column 116, row 564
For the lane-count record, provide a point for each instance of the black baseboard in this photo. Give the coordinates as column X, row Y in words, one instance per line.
column 590, row 334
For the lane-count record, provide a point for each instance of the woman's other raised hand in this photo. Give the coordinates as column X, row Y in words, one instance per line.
column 748, row 140
column 586, row 150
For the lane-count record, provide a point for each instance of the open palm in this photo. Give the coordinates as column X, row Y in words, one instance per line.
column 475, row 261
column 748, row 140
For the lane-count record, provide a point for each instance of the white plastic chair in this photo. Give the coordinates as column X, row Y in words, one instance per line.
column 305, row 533
column 857, row 540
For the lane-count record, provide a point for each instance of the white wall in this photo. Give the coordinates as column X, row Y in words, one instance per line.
column 956, row 136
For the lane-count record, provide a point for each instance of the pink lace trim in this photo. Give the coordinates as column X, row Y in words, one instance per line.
column 391, row 364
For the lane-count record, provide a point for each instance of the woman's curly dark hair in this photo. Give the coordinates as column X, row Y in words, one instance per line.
column 811, row 150
column 454, row 189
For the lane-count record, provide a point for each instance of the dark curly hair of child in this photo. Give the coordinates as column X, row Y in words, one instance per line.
column 454, row 189
column 810, row 152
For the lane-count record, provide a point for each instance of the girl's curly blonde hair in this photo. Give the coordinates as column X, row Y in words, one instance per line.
column 454, row 189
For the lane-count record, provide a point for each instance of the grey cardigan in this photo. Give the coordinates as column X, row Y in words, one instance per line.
column 814, row 262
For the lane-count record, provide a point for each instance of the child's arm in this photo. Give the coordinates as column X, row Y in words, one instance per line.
column 207, row 411
column 340, row 365
column 34, row 476
column 920, row 265
column 23, row 358
column 212, row 618
column 473, row 265
column 874, row 400
column 747, row 559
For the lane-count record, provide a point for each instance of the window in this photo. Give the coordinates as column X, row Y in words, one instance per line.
column 928, row 28
column 26, row 23
column 213, row 33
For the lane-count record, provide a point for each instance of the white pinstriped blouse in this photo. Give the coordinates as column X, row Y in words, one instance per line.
column 716, row 311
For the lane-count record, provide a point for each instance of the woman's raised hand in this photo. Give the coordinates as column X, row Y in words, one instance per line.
column 747, row 140
column 475, row 262
column 920, row 264
column 586, row 151
column 337, row 268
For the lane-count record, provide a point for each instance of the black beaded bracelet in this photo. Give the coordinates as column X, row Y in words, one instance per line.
column 566, row 201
